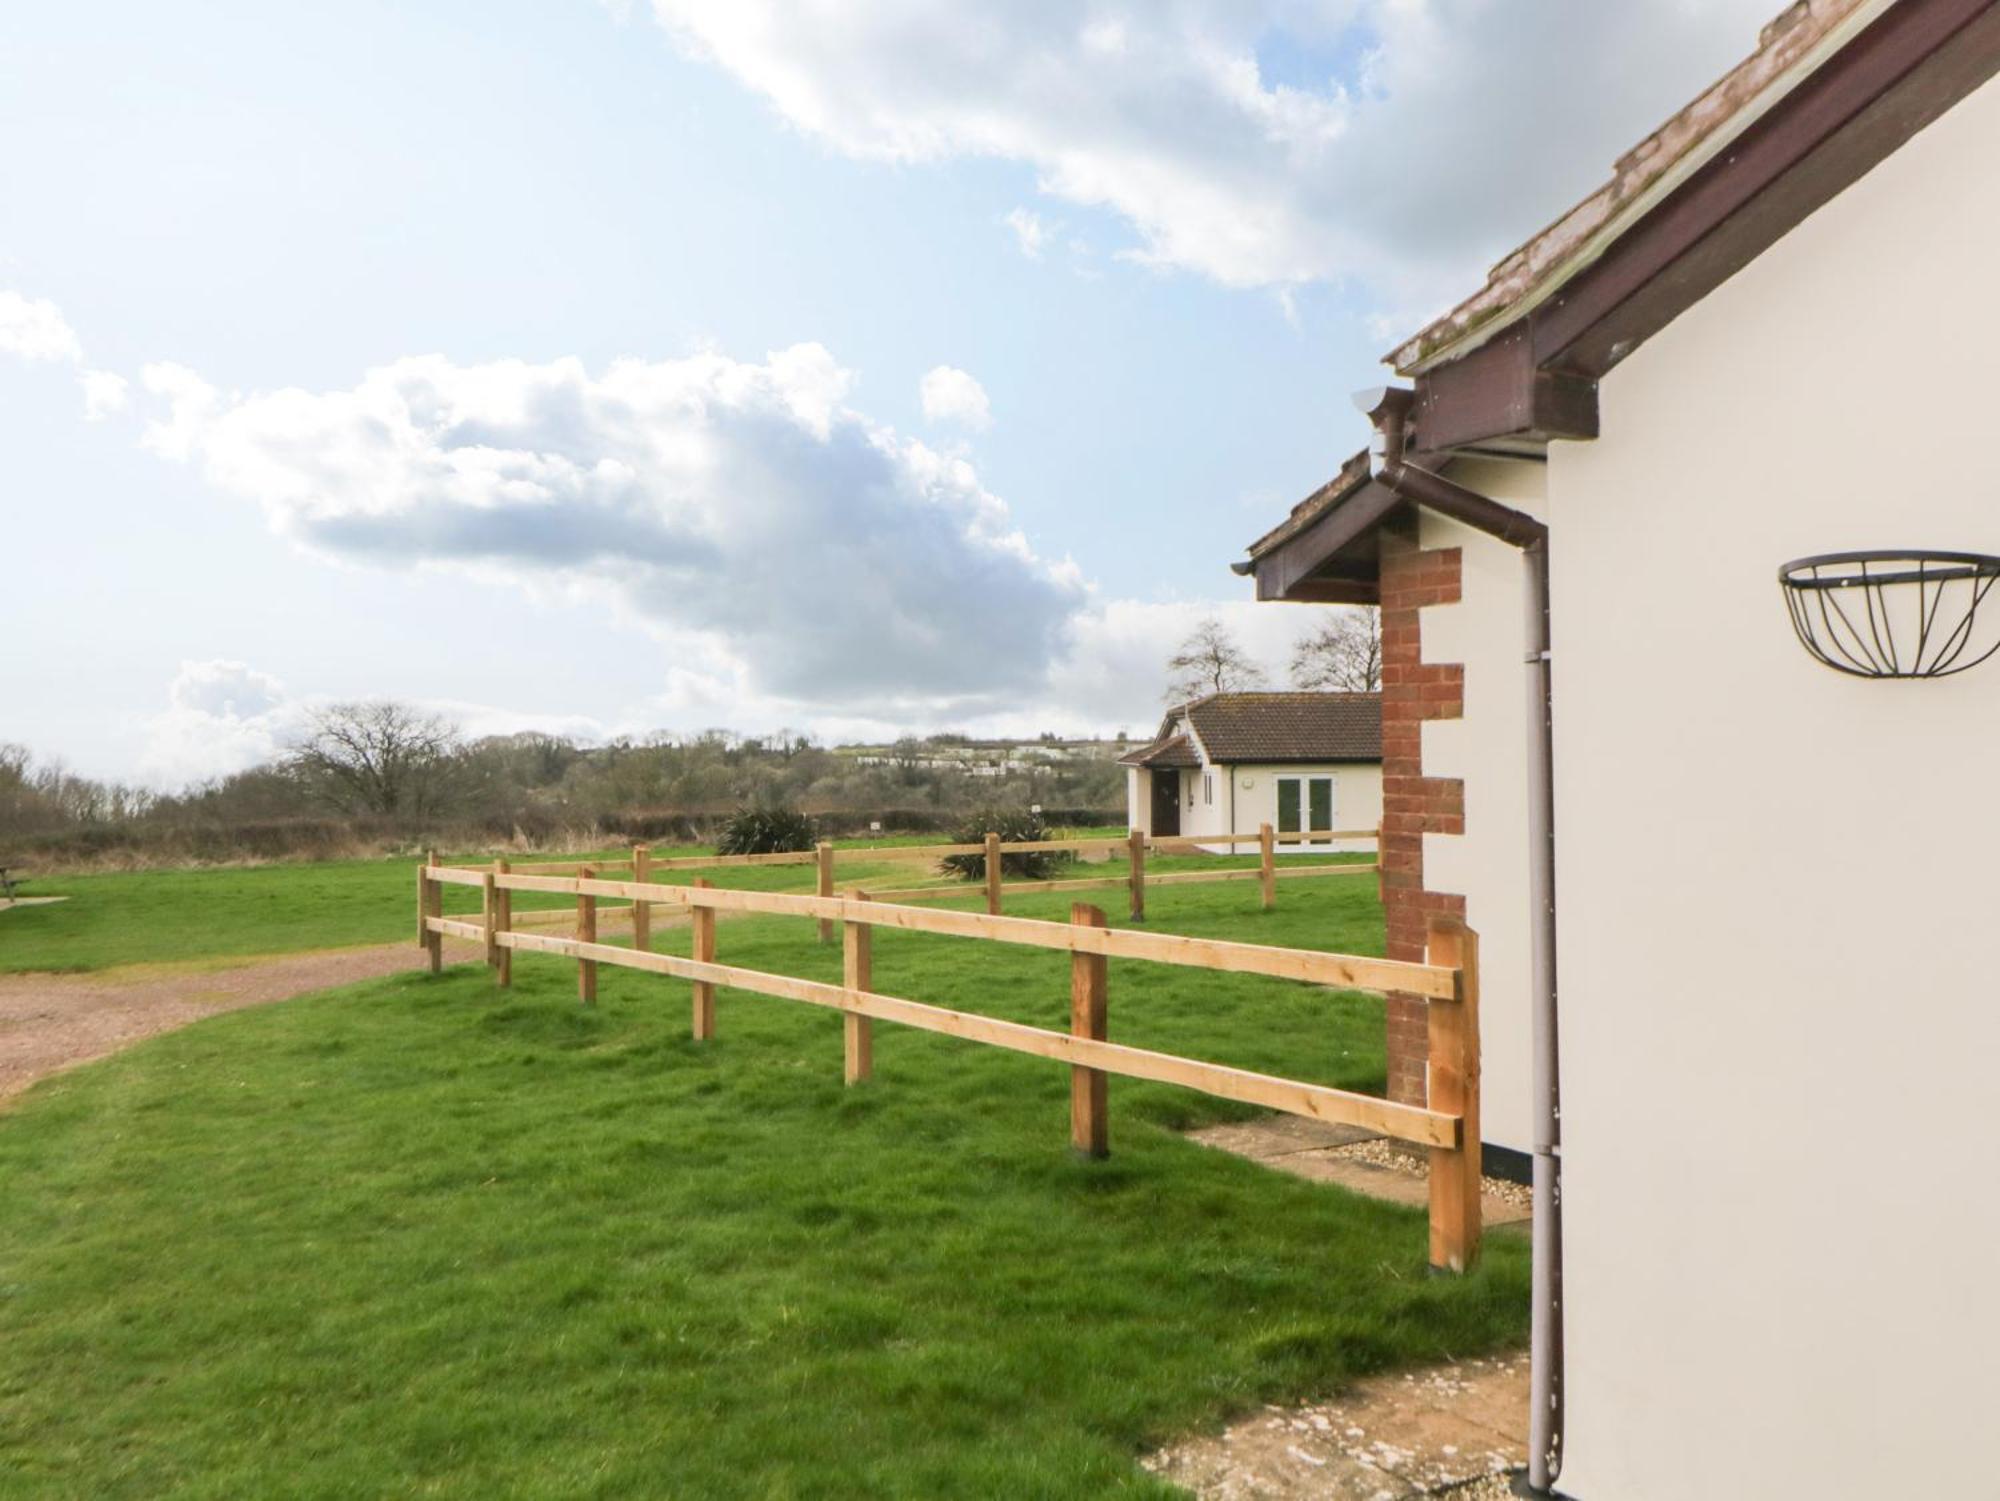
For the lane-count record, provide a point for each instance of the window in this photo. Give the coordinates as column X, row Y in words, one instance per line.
column 1306, row 806
column 1208, row 787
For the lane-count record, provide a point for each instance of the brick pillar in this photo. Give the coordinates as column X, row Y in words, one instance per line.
column 1413, row 804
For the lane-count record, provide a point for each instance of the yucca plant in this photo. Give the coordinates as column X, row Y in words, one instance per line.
column 1014, row 826
column 766, row 829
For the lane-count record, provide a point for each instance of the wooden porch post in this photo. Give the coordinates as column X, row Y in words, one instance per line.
column 1453, row 1087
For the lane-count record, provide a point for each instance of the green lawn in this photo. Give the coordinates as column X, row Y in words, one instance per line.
column 425, row 1237
column 226, row 912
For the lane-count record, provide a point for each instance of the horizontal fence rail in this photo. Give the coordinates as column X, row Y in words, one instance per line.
column 1447, row 1125
column 1136, row 846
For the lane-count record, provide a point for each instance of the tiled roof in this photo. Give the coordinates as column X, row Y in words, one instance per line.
column 1353, row 475
column 1789, row 47
column 1235, row 728
column 1168, row 750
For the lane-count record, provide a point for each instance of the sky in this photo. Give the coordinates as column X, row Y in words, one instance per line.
column 849, row 366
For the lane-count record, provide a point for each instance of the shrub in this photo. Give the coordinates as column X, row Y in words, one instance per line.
column 1014, row 826
column 766, row 830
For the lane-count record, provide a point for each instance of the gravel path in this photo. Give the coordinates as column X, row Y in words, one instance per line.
column 1456, row 1430
column 52, row 1022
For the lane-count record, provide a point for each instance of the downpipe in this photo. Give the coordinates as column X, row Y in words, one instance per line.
column 1545, row 1346
column 1388, row 410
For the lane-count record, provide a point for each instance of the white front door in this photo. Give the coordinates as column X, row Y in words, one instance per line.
column 1306, row 806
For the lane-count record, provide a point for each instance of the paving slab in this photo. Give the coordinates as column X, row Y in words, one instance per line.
column 1281, row 1135
column 1356, row 1159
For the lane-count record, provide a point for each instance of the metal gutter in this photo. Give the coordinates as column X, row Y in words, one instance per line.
column 1388, row 409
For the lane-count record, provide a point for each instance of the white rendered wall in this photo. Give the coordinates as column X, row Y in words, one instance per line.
column 1357, row 802
column 1486, row 631
column 1780, row 887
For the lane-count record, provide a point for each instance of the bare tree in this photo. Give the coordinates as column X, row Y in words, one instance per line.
column 378, row 757
column 1344, row 653
column 1210, row 661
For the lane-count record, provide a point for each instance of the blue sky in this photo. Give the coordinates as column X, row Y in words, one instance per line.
column 1231, row 209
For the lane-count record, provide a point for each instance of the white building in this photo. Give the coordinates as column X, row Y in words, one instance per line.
column 1308, row 764
column 1773, row 335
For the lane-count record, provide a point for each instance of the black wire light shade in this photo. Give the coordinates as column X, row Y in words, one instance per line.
column 1904, row 614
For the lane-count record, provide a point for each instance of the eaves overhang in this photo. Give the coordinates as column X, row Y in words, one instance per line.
column 1835, row 88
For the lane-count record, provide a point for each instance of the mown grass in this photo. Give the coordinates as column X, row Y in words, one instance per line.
column 425, row 1237
column 229, row 912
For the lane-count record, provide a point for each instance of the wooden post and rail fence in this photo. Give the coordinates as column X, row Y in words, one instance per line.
column 1447, row 1125
column 1136, row 847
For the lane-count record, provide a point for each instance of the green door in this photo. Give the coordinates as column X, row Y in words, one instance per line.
column 1319, row 804
column 1288, row 805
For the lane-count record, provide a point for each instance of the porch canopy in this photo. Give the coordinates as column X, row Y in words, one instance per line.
column 1328, row 550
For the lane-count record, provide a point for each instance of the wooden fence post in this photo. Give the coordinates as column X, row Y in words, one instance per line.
column 586, row 932
column 1089, row 1129
column 993, row 874
column 503, row 973
column 1267, row 858
column 642, row 912
column 431, row 904
column 489, row 918
column 702, row 919
column 858, row 973
column 823, row 858
column 1453, row 1087
column 1135, row 845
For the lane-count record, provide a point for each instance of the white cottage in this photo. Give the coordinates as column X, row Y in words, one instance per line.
column 1308, row 764
column 1734, row 905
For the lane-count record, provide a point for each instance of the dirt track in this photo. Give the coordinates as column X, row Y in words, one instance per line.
column 52, row 1022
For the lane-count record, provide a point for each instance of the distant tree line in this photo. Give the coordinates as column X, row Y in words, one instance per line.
column 366, row 777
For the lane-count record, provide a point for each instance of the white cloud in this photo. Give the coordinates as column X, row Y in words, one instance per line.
column 790, row 546
column 221, row 717
column 191, row 404
column 1031, row 231
column 33, row 329
column 799, row 564
column 1264, row 143
column 950, row 395
column 1112, row 672
column 224, row 717
column 104, row 393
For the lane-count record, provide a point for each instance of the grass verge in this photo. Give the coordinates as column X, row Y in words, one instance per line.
column 424, row 1237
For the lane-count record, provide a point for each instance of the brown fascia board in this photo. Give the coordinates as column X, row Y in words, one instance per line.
column 1537, row 379
column 1353, row 474
column 1305, row 568
column 1497, row 392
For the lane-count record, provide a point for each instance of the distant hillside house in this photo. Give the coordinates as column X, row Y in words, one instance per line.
column 1308, row 764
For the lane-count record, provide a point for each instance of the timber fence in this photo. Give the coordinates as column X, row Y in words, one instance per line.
column 1135, row 847
column 1447, row 1125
